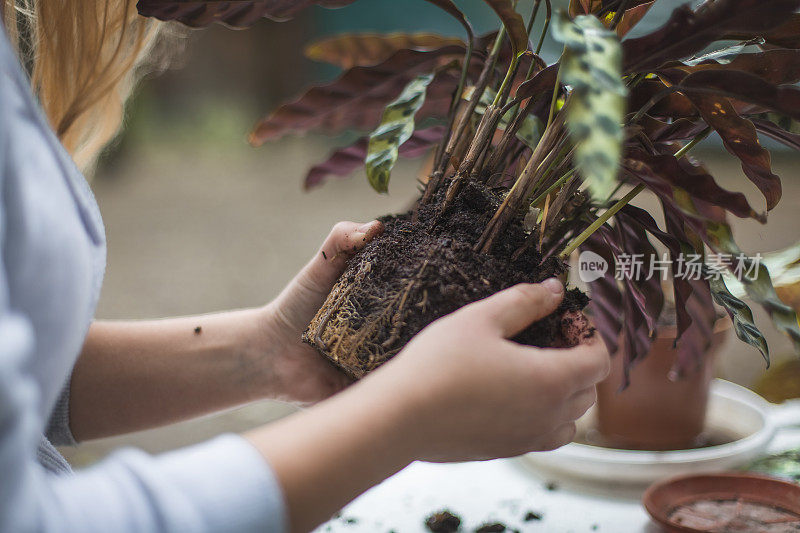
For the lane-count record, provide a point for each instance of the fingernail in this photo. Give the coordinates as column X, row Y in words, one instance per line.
column 553, row 285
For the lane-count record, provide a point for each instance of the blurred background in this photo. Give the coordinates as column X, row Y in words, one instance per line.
column 199, row 221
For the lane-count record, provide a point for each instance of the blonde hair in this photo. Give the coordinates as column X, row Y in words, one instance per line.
column 82, row 57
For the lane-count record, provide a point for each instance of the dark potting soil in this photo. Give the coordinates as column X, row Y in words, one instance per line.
column 494, row 527
column 443, row 522
column 421, row 269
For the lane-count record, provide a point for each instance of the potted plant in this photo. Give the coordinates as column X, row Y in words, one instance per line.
column 534, row 162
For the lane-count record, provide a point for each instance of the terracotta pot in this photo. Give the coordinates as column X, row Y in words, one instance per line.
column 654, row 412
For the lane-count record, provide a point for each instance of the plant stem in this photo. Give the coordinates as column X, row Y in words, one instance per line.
column 560, row 181
column 622, row 202
column 536, row 5
column 512, row 69
column 619, row 14
column 450, row 141
column 634, row 80
column 594, row 226
column 691, row 144
column 546, row 26
column 553, row 163
column 462, row 81
column 555, row 96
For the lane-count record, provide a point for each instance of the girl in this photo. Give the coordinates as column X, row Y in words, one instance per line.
column 65, row 378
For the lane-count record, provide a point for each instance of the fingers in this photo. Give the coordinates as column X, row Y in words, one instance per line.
column 514, row 309
column 344, row 239
column 584, row 365
column 559, row 437
column 580, row 402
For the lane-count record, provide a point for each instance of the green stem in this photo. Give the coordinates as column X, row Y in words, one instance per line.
column 463, row 80
column 536, row 5
column 594, row 226
column 691, row 144
column 555, row 96
column 619, row 14
column 546, row 26
column 512, row 68
column 636, row 79
column 622, row 202
column 560, row 181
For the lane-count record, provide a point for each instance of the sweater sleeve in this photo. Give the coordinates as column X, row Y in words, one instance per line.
column 58, row 431
column 223, row 485
column 220, row 486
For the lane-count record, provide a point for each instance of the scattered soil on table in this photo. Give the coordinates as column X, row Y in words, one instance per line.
column 443, row 522
column 551, row 486
column 730, row 516
column 420, row 270
column 494, row 527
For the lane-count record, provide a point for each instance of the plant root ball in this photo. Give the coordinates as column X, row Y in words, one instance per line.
column 424, row 266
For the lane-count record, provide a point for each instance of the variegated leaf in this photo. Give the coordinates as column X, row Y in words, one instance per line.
column 396, row 127
column 591, row 64
column 343, row 161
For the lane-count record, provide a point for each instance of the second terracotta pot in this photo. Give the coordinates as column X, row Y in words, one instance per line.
column 654, row 412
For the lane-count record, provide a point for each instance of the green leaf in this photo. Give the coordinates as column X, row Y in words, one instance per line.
column 740, row 314
column 758, row 287
column 513, row 23
column 592, row 65
column 396, row 127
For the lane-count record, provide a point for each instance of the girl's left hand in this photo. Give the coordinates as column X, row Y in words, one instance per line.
column 297, row 373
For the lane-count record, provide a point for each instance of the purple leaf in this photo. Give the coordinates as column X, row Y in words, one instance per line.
column 771, row 129
column 695, row 181
column 778, row 66
column 606, row 295
column 356, row 100
column 233, row 13
column 747, row 87
column 787, row 35
column 689, row 31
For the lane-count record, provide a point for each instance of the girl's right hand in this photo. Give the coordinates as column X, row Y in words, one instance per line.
column 459, row 391
column 469, row 393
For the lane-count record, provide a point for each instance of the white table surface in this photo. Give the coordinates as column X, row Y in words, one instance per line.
column 500, row 491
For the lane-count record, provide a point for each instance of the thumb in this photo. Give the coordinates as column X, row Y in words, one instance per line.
column 512, row 310
column 304, row 295
column 327, row 265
